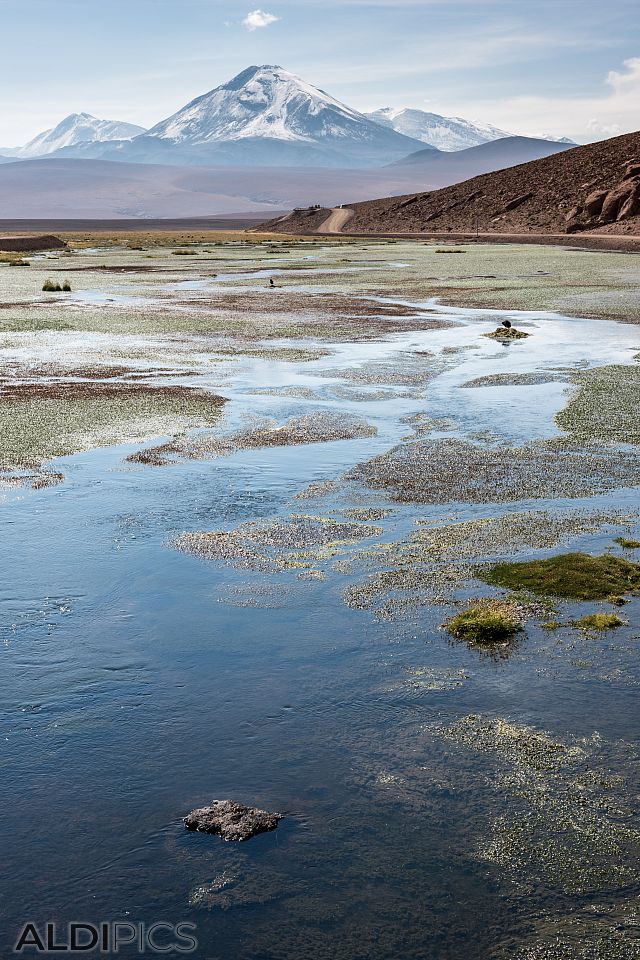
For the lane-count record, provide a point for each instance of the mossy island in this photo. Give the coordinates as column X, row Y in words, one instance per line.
column 573, row 576
column 488, row 623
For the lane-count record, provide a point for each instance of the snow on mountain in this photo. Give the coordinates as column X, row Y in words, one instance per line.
column 445, row 133
column 74, row 129
column 267, row 103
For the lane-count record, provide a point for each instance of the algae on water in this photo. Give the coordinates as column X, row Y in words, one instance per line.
column 40, row 422
column 605, row 406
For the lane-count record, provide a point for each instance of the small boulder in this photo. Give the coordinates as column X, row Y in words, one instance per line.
column 593, row 203
column 231, row 820
column 631, row 205
column 632, row 171
column 517, row 202
column 615, row 200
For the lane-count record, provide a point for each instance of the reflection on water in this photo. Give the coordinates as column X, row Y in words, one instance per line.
column 134, row 690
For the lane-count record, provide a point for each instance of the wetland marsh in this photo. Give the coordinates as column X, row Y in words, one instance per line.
column 237, row 522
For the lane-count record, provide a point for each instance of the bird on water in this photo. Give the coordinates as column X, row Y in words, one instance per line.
column 507, row 324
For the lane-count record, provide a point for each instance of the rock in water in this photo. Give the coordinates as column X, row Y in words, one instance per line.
column 231, row 820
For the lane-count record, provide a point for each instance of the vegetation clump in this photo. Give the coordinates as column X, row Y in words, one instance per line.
column 435, row 560
column 184, row 253
column 599, row 621
column 504, row 333
column 52, row 286
column 486, row 624
column 628, row 543
column 576, row 576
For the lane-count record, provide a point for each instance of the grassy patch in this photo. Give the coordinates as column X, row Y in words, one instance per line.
column 493, row 622
column 599, row 621
column 627, row 543
column 576, row 576
column 435, row 560
column 532, row 379
column 286, row 354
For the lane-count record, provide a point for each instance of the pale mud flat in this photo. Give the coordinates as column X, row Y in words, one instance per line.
column 246, row 514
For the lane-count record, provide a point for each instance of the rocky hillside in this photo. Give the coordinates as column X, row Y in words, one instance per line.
column 595, row 189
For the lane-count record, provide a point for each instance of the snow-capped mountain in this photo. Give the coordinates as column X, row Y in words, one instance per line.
column 75, row 129
column 266, row 109
column 445, row 133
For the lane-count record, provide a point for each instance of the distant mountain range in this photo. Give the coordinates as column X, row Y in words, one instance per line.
column 265, row 116
column 60, row 187
column 76, row 129
column 266, row 140
column 444, row 133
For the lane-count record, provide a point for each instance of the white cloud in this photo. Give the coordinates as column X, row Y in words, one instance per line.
column 599, row 129
column 629, row 81
column 258, row 19
column 607, row 114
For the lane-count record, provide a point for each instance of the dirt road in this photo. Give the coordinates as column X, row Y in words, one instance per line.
column 337, row 219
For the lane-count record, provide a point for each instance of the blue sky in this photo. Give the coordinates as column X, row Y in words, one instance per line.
column 557, row 67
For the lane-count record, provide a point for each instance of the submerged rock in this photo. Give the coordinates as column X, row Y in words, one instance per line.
column 231, row 820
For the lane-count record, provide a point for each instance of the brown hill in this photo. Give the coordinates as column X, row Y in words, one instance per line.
column 594, row 189
column 440, row 169
column 31, row 244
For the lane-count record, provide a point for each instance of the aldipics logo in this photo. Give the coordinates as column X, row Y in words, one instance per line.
column 108, row 937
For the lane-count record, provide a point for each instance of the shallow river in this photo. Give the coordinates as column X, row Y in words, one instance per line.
column 140, row 682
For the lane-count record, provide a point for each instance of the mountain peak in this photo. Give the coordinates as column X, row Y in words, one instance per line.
column 445, row 133
column 270, row 103
column 78, row 128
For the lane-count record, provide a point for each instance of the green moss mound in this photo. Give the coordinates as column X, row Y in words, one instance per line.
column 627, row 543
column 576, row 576
column 485, row 624
column 600, row 621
